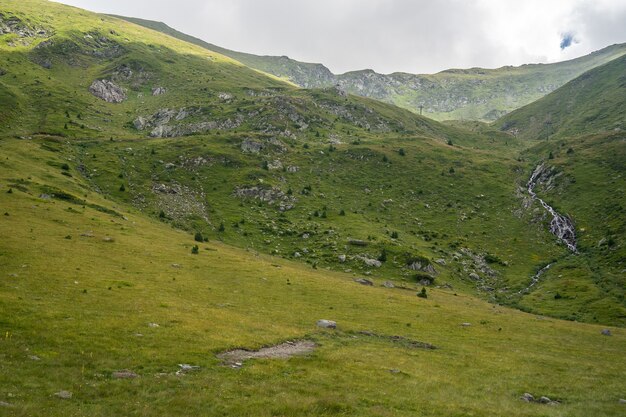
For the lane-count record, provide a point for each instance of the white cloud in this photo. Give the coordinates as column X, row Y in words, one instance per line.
column 391, row 35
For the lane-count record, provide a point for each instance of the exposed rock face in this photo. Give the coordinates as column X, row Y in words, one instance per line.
column 107, row 91
column 423, row 266
column 13, row 24
column 168, row 122
column 158, row 91
column 364, row 281
column 272, row 196
column 375, row 263
column 251, row 146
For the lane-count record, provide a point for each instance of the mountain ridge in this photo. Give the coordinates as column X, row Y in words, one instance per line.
column 443, row 96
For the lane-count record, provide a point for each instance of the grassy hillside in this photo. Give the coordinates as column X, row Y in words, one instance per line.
column 333, row 180
column 215, row 207
column 84, row 277
column 591, row 103
column 464, row 94
column 587, row 183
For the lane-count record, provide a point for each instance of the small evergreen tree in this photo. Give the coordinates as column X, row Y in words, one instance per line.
column 401, row 152
column 422, row 293
column 122, row 188
column 198, row 237
column 195, row 249
column 222, row 227
column 383, row 256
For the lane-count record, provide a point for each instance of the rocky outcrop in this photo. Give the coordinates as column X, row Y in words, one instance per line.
column 157, row 91
column 372, row 263
column 272, row 196
column 168, row 122
column 107, row 91
column 422, row 265
column 13, row 24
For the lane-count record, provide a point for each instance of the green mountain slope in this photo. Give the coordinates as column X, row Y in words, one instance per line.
column 473, row 94
column 591, row 103
column 330, row 179
column 208, row 207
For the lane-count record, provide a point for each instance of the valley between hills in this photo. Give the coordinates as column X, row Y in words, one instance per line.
column 189, row 230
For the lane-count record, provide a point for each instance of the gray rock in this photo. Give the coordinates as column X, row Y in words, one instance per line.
column 225, row 96
column 124, row 374
column 527, row 397
column 342, row 258
column 466, row 324
column 251, row 146
column 423, row 266
column 440, row 261
column 158, row 91
column 185, row 367
column 364, row 281
column 34, row 358
column 474, row 276
column 375, row 263
column 107, row 91
column 622, row 401
column 388, row 284
column 140, row 123
column 327, row 324
column 544, row 400
column 606, row 332
column 65, row 395
column 297, row 254
column 292, row 169
column 5, row 404
column 153, row 325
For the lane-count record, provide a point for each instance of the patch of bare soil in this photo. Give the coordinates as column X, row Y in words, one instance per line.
column 283, row 350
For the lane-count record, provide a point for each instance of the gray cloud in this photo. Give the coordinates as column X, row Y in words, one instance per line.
column 415, row 36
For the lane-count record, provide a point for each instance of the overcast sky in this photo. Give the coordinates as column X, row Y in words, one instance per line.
column 415, row 36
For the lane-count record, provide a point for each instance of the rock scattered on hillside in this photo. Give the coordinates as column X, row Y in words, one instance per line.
column 364, row 281
column 375, row 263
column 5, row 404
column 107, row 91
column 251, row 146
column 65, row 395
column 529, row 398
column 272, row 196
column 157, row 91
column 327, row 324
column 388, row 284
column 124, row 374
column 185, row 367
column 606, row 332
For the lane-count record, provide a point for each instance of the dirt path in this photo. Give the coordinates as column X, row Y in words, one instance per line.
column 283, row 350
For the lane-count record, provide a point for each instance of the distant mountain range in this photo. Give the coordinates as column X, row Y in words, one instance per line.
column 464, row 94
